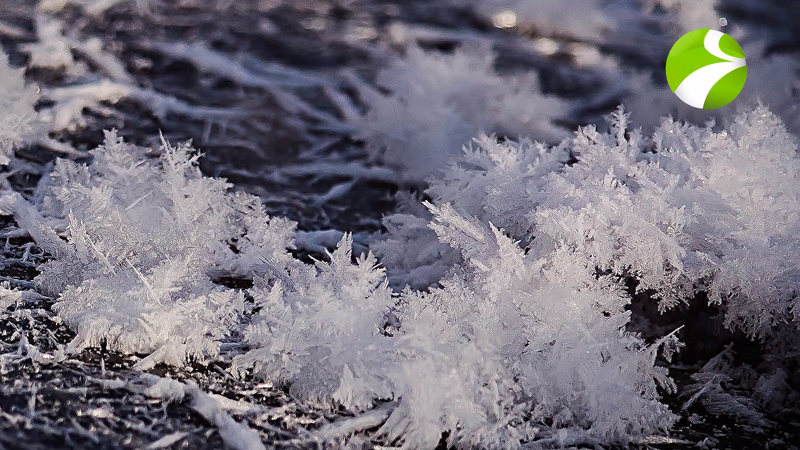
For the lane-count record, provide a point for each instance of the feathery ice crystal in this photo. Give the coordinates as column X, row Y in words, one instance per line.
column 686, row 209
column 506, row 333
column 509, row 340
column 436, row 102
column 146, row 238
column 16, row 101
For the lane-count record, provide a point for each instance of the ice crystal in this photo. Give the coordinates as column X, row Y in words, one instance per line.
column 686, row 209
column 17, row 123
column 146, row 239
column 436, row 102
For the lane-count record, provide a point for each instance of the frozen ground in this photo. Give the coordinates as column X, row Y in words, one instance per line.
column 299, row 157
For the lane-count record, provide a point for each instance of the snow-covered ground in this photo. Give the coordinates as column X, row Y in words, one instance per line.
column 410, row 224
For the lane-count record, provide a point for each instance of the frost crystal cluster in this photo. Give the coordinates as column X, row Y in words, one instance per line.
column 684, row 210
column 508, row 341
column 519, row 341
column 318, row 327
column 16, row 101
column 146, row 238
column 436, row 102
column 498, row 312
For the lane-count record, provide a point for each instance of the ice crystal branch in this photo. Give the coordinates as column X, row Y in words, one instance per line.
column 145, row 239
column 436, row 102
column 686, row 209
column 17, row 122
column 504, row 337
column 329, row 312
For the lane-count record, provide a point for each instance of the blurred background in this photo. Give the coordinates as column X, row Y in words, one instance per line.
column 293, row 100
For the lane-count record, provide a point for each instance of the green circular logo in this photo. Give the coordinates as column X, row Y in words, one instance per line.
column 706, row 69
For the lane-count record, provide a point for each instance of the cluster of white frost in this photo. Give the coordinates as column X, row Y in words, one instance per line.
column 487, row 181
column 435, row 102
column 511, row 349
column 318, row 330
column 510, row 342
column 145, row 239
column 505, row 344
column 17, row 123
column 686, row 209
column 505, row 332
